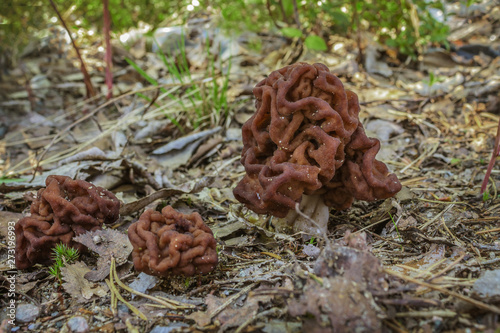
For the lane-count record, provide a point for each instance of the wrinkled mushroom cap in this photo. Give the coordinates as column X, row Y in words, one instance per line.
column 306, row 138
column 172, row 243
column 64, row 209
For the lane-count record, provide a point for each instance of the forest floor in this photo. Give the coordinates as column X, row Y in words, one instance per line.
column 427, row 260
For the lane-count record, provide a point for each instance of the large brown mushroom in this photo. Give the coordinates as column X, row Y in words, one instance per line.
column 305, row 144
column 64, row 209
column 172, row 243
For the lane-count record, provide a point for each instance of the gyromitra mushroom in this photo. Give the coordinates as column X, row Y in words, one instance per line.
column 305, row 144
column 172, row 243
column 64, row 209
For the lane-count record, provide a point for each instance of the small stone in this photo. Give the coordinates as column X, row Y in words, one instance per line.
column 173, row 327
column 27, row 312
column 311, row 250
column 34, row 326
column 123, row 309
column 78, row 325
column 487, row 285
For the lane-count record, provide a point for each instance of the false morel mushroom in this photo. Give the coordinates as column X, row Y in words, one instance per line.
column 64, row 209
column 172, row 243
column 305, row 144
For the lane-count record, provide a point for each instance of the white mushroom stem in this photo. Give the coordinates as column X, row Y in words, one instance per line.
column 311, row 217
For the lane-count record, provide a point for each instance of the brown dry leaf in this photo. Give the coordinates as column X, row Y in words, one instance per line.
column 234, row 314
column 8, row 219
column 342, row 301
column 339, row 305
column 436, row 259
column 107, row 243
column 202, row 318
column 355, row 264
column 206, row 150
column 77, row 286
column 187, row 188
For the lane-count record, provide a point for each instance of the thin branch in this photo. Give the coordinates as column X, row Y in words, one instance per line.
column 86, row 76
column 492, row 160
column 108, row 56
column 268, row 6
column 296, row 14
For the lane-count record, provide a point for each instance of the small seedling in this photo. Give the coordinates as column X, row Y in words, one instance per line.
column 486, row 196
column 62, row 255
column 187, row 282
column 312, row 241
column 396, row 227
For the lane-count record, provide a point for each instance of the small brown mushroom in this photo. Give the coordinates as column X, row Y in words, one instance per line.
column 64, row 209
column 305, row 144
column 172, row 243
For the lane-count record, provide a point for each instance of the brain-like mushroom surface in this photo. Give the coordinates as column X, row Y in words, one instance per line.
column 305, row 138
column 172, row 243
column 64, row 209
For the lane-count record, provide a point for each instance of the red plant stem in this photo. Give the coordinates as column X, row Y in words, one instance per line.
column 31, row 95
column 83, row 69
column 296, row 13
column 108, row 56
column 492, row 160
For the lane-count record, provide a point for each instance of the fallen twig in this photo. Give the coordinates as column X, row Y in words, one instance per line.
column 474, row 302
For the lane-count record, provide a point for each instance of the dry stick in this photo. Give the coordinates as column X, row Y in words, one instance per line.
column 474, row 302
column 270, row 12
column 487, row 231
column 171, row 304
column 441, row 213
column 86, row 76
column 87, row 116
column 394, row 327
column 492, row 160
column 427, row 314
column 117, row 294
column 449, row 267
column 231, row 300
column 272, row 311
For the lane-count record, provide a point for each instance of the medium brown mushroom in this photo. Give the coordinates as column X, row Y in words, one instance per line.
column 64, row 209
column 172, row 243
column 305, row 144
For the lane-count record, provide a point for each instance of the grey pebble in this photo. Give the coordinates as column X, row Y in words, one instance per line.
column 78, row 325
column 27, row 312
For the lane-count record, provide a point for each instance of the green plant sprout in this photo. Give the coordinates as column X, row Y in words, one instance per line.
column 486, row 196
column 312, row 241
column 62, row 255
column 202, row 99
column 396, row 227
column 187, row 282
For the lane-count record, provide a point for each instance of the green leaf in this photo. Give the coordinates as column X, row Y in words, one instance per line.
column 11, row 180
column 141, row 71
column 455, row 161
column 291, row 32
column 315, row 43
